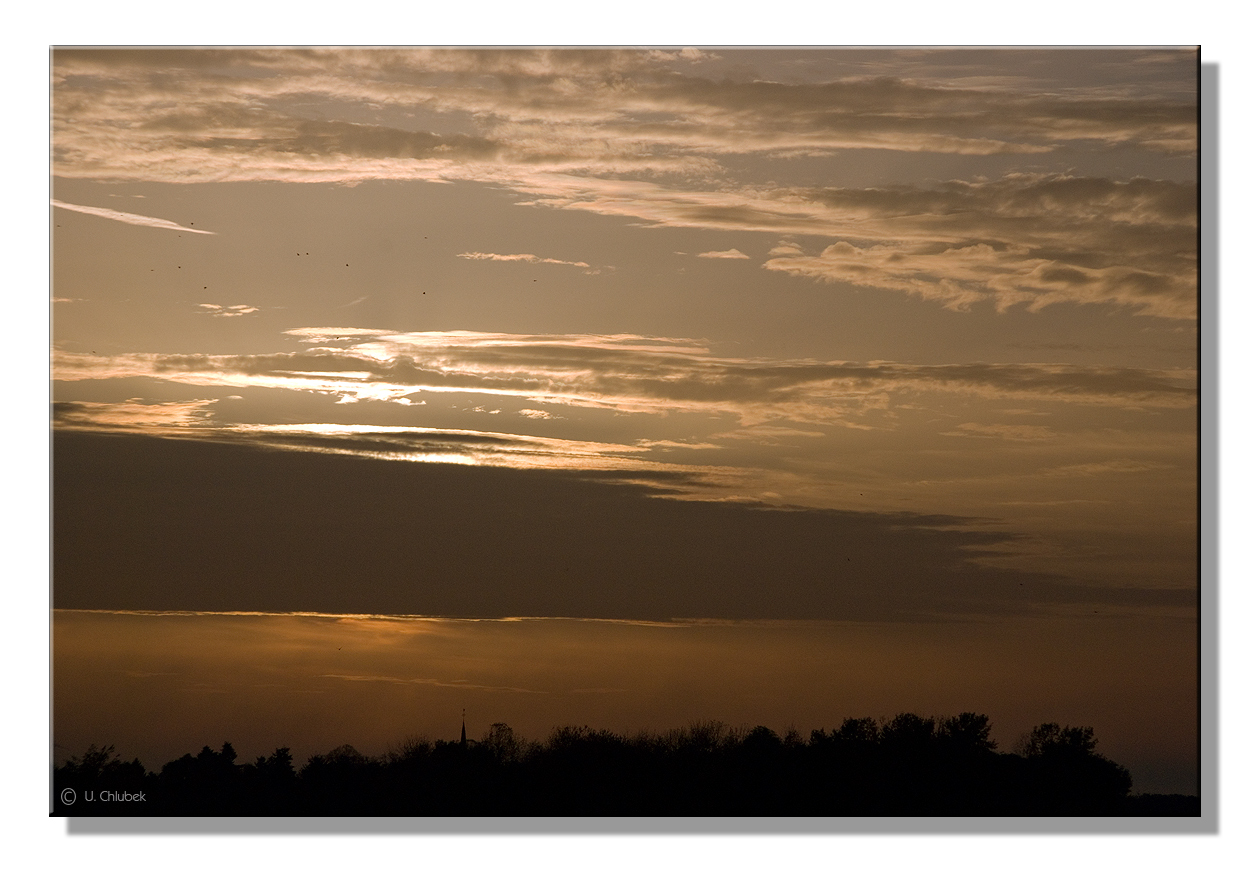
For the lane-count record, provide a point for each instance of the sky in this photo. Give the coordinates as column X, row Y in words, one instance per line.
column 598, row 372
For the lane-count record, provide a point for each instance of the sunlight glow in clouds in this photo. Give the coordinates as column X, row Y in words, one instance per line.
column 395, row 443
column 650, row 376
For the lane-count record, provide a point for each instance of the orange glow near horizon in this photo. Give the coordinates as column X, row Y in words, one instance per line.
column 159, row 685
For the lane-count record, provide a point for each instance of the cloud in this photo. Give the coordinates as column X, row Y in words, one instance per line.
column 440, row 540
column 226, row 310
column 627, row 374
column 195, row 115
column 422, row 681
column 1111, row 466
column 525, row 258
column 199, row 115
column 131, row 415
column 786, row 249
column 1023, row 239
column 638, row 134
column 731, row 254
column 128, row 218
column 768, row 434
column 1002, row 430
column 612, row 462
column 1032, row 240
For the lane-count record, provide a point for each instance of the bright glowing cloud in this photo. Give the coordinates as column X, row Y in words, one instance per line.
column 627, row 374
column 624, row 463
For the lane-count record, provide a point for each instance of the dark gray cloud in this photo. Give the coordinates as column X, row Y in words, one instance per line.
column 244, row 529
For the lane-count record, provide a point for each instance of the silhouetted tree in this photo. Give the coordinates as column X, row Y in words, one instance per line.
column 97, row 770
column 967, row 734
column 1067, row 775
column 503, row 744
column 906, row 765
column 269, row 784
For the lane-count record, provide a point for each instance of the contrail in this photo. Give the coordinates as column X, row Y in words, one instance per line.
column 127, row 217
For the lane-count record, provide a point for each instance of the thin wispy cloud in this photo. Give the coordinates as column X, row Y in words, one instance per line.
column 1111, row 466
column 523, row 258
column 129, row 218
column 1024, row 240
column 1004, row 431
column 426, row 681
column 731, row 254
column 226, row 310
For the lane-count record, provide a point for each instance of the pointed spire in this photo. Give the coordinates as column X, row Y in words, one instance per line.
column 463, row 737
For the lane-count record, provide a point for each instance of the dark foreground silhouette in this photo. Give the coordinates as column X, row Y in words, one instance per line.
column 906, row 766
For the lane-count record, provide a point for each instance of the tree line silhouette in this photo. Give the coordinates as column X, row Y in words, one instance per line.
column 905, row 766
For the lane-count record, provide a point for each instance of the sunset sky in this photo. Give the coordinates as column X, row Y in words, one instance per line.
column 769, row 386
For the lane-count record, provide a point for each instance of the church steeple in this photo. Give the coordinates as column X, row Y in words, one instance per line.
column 464, row 742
